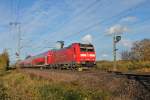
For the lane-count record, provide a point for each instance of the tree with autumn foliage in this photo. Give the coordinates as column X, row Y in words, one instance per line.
column 4, row 60
column 140, row 51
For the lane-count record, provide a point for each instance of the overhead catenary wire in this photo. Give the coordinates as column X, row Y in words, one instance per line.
column 100, row 22
column 84, row 10
column 83, row 30
column 18, row 2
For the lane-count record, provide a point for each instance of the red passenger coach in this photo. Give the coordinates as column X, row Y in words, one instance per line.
column 74, row 56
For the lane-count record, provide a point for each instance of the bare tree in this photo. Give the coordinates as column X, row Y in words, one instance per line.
column 140, row 51
column 126, row 55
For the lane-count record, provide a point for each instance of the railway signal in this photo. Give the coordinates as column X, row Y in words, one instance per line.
column 116, row 39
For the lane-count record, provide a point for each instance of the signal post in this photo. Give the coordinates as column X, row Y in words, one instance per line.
column 116, row 39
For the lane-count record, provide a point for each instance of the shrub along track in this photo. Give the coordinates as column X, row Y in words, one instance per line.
column 122, row 85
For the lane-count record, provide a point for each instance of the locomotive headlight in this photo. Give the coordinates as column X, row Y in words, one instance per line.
column 92, row 55
column 83, row 55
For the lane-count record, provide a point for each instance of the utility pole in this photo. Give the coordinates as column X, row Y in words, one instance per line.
column 116, row 39
column 18, row 26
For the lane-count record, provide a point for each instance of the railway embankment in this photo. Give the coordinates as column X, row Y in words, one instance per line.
column 37, row 84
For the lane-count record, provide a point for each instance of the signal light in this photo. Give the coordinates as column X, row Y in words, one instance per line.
column 117, row 39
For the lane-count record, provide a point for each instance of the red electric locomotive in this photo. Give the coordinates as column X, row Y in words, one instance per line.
column 74, row 56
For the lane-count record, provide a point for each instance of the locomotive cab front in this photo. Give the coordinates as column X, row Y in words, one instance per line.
column 87, row 55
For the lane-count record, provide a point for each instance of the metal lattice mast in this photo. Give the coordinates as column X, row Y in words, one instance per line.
column 18, row 27
column 116, row 39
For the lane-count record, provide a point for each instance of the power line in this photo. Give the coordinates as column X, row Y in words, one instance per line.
column 95, row 24
column 85, row 9
column 18, row 10
column 82, row 12
column 89, row 27
column 88, row 7
column 100, row 22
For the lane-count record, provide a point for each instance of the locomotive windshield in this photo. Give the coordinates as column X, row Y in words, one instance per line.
column 86, row 48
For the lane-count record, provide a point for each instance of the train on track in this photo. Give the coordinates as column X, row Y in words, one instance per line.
column 75, row 56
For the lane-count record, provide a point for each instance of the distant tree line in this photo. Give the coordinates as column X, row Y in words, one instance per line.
column 140, row 51
column 4, row 60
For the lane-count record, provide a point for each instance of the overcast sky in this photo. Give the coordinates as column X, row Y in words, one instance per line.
column 43, row 22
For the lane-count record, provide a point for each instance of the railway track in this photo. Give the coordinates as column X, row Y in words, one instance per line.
column 143, row 79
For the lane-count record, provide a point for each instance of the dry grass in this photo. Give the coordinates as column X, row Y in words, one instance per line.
column 66, row 85
column 22, row 86
column 125, row 65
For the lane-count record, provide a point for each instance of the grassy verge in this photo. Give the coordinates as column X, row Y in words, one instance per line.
column 15, row 85
column 143, row 66
column 18, row 86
